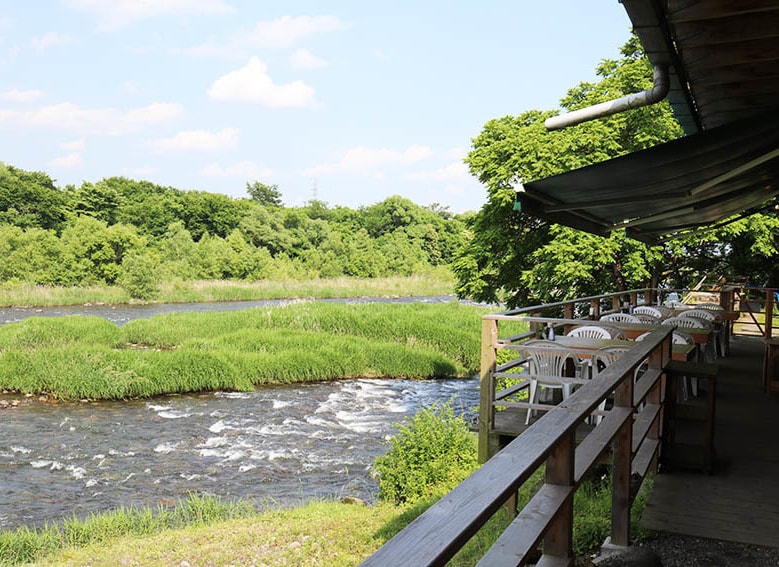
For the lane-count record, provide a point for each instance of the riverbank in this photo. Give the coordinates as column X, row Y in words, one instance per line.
column 437, row 282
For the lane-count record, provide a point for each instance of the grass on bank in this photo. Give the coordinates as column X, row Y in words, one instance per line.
column 72, row 358
column 204, row 531
column 436, row 283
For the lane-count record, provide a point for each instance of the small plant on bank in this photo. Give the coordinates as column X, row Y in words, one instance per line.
column 432, row 452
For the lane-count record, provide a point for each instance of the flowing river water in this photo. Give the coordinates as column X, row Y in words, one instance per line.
column 277, row 445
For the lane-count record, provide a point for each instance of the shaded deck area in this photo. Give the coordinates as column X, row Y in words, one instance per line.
column 739, row 501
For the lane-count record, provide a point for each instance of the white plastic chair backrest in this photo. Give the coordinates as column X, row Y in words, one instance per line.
column 700, row 313
column 606, row 356
column 687, row 322
column 682, row 338
column 709, row 306
column 648, row 310
column 620, row 318
column 647, row 318
column 642, row 336
column 549, row 361
column 590, row 332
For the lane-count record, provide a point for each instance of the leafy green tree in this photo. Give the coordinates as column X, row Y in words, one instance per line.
column 209, row 213
column 98, row 249
column 98, row 200
column 29, row 199
column 264, row 228
column 266, row 195
column 33, row 255
column 507, row 252
column 151, row 208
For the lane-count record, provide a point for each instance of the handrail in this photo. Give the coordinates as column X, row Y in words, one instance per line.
column 436, row 535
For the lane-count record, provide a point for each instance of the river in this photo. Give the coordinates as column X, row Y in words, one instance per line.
column 277, row 445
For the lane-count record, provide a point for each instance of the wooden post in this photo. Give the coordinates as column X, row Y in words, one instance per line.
column 616, row 303
column 568, row 311
column 622, row 462
column 558, row 539
column 769, row 312
column 489, row 339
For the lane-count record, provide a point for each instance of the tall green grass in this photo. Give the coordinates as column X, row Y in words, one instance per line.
column 73, row 358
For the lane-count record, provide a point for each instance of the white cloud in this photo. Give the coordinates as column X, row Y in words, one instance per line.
column 456, row 170
column 280, row 33
column 244, row 169
column 50, row 39
column 287, row 31
column 74, row 145
column 70, row 161
column 94, row 121
column 115, row 14
column 16, row 95
column 201, row 140
column 252, row 83
column 304, row 59
column 366, row 160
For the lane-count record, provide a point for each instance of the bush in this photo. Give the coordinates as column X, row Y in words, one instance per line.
column 140, row 276
column 430, row 454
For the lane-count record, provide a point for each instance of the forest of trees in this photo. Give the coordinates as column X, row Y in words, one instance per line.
column 133, row 233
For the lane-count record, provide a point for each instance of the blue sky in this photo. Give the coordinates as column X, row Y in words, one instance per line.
column 345, row 101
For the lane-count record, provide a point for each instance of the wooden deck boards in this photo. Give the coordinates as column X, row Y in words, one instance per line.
column 739, row 501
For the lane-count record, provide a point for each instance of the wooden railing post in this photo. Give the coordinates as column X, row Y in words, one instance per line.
column 769, row 312
column 558, row 539
column 621, row 468
column 489, row 339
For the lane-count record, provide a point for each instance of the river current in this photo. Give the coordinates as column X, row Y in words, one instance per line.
column 275, row 446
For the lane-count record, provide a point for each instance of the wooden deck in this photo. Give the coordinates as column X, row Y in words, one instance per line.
column 739, row 501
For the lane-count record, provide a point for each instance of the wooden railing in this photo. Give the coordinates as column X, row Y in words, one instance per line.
column 758, row 304
column 631, row 429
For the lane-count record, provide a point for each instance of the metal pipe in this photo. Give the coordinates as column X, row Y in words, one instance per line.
column 636, row 100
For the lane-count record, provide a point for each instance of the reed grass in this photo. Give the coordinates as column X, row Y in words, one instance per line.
column 451, row 328
column 437, row 282
column 77, row 358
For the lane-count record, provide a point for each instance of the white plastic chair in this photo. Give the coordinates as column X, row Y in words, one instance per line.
column 547, row 358
column 603, row 358
column 647, row 318
column 709, row 306
column 695, row 323
column 590, row 332
column 620, row 318
column 705, row 314
column 648, row 310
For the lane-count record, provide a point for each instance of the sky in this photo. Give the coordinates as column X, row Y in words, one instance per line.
column 347, row 101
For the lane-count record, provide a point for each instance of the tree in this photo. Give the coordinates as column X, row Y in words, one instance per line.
column 29, row 199
column 513, row 257
column 267, row 195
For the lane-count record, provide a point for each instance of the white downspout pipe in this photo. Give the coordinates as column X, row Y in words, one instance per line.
column 636, row 100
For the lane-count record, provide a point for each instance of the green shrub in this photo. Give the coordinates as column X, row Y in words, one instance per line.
column 140, row 276
column 431, row 453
